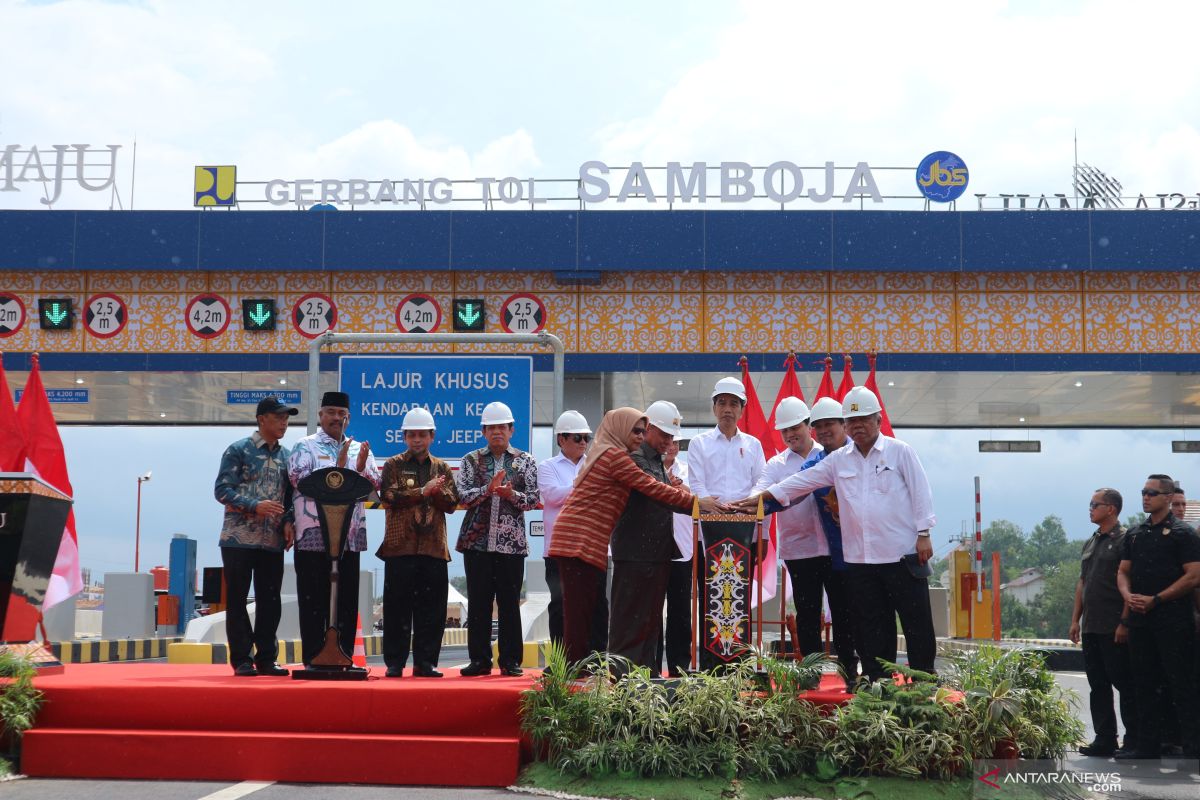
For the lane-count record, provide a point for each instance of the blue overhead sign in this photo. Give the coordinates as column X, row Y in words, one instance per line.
column 252, row 396
column 62, row 395
column 454, row 388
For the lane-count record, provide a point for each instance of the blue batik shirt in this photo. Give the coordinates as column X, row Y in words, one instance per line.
column 253, row 471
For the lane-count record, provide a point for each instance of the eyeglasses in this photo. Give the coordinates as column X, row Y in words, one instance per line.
column 639, row 431
column 1153, row 493
column 578, row 437
column 1097, row 505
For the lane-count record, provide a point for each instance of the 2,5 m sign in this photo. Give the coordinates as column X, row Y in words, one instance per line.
column 455, row 389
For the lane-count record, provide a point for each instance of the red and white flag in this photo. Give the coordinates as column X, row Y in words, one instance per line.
column 789, row 388
column 885, row 424
column 825, row 387
column 754, row 423
column 44, row 456
column 12, row 438
column 847, row 379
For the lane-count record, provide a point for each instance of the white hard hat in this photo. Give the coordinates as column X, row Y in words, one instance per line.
column 665, row 416
column 571, row 422
column 418, row 419
column 792, row 411
column 496, row 414
column 860, row 402
column 731, row 386
column 825, row 408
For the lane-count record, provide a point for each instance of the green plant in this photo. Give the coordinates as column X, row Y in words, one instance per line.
column 788, row 676
column 1012, row 698
column 19, row 700
column 912, row 728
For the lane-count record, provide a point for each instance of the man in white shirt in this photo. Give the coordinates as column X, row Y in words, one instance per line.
column 556, row 476
column 725, row 464
column 801, row 540
column 886, row 511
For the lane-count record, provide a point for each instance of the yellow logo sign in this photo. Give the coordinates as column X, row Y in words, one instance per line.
column 215, row 186
column 334, row 480
column 854, row 406
column 943, row 177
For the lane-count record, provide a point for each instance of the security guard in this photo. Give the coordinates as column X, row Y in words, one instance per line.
column 1159, row 569
column 419, row 490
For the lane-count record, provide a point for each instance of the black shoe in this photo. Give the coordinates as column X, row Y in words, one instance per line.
column 426, row 671
column 245, row 670
column 475, row 668
column 1099, row 749
column 272, row 669
column 394, row 672
column 512, row 671
column 1171, row 750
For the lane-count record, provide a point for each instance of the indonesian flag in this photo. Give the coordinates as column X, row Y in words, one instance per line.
column 754, row 423
column 44, row 456
column 847, row 379
column 825, row 388
column 12, row 438
column 789, row 388
column 885, row 424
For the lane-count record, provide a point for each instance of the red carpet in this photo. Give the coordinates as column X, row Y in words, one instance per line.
column 197, row 721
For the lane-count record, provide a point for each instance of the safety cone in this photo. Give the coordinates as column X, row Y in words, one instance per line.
column 360, row 649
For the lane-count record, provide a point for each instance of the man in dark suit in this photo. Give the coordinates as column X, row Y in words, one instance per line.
column 643, row 544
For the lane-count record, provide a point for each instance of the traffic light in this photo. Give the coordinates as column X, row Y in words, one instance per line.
column 469, row 314
column 55, row 313
column 258, row 314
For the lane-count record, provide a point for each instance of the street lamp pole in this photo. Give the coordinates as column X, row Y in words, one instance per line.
column 137, row 530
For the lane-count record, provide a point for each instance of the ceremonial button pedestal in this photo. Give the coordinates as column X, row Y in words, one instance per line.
column 336, row 491
column 32, row 518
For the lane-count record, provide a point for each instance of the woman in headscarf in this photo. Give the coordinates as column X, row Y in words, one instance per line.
column 583, row 527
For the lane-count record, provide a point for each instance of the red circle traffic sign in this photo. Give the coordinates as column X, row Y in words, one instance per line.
column 313, row 315
column 523, row 313
column 12, row 314
column 418, row 313
column 105, row 315
column 207, row 315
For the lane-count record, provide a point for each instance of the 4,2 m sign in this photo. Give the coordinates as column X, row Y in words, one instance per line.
column 455, row 389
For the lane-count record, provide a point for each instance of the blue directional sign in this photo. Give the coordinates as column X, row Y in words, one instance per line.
column 454, row 388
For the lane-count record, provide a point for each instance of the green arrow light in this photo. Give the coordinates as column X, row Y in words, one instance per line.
column 469, row 315
column 260, row 314
column 56, row 314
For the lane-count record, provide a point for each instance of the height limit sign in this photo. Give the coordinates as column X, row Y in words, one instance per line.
column 418, row 313
column 523, row 313
column 313, row 315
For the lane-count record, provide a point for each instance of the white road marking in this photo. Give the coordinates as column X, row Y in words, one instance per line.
column 238, row 790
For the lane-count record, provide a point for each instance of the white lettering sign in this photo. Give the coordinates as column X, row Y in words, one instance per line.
column 40, row 166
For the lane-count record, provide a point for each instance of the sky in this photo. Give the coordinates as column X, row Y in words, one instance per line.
column 463, row 90
column 470, row 89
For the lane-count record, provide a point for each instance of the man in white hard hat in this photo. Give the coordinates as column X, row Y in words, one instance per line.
column 829, row 429
column 419, row 491
column 643, row 544
column 725, row 464
column 886, row 510
column 801, row 541
column 328, row 447
column 497, row 484
column 556, row 477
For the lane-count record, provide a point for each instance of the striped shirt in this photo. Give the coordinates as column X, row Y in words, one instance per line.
column 585, row 524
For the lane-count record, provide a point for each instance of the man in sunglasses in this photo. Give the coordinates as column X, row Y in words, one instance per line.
column 1096, row 619
column 1160, row 566
column 556, row 476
